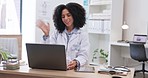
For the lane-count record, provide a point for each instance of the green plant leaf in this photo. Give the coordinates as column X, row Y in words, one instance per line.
column 103, row 54
column 5, row 54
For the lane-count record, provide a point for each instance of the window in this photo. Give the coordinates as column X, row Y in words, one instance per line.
column 10, row 16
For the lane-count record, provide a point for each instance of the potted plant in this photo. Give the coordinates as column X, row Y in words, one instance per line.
column 95, row 55
column 9, row 61
column 103, row 56
column 4, row 55
column 100, row 55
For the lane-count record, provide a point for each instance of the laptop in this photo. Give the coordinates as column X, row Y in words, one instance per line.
column 139, row 38
column 46, row 56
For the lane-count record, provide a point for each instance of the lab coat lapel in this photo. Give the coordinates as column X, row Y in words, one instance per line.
column 74, row 35
column 64, row 36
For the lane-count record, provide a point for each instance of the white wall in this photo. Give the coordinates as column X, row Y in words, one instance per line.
column 136, row 16
column 28, row 24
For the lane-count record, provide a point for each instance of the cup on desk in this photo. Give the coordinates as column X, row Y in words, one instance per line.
column 11, row 64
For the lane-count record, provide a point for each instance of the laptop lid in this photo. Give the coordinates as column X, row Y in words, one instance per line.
column 139, row 38
column 46, row 56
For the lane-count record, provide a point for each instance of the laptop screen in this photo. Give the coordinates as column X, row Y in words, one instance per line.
column 140, row 38
column 46, row 56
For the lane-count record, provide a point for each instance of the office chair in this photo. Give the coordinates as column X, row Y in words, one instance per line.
column 138, row 53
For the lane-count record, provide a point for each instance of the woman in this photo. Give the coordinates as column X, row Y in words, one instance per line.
column 68, row 19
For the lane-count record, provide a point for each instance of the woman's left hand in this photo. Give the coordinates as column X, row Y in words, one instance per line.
column 72, row 65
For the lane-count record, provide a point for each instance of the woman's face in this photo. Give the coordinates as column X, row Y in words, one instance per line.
column 67, row 18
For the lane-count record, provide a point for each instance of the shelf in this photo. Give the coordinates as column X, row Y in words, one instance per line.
column 101, row 3
column 101, row 19
column 101, row 16
column 103, row 23
column 97, row 32
column 115, row 43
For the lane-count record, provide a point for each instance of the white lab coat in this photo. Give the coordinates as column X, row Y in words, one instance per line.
column 77, row 47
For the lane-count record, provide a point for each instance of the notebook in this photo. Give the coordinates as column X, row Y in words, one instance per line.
column 139, row 38
column 46, row 56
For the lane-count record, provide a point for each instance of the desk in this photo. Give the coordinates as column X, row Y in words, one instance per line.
column 115, row 55
column 118, row 51
column 26, row 72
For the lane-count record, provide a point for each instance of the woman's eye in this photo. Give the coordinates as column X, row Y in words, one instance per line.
column 68, row 15
column 63, row 16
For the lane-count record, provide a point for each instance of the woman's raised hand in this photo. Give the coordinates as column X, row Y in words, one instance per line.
column 44, row 27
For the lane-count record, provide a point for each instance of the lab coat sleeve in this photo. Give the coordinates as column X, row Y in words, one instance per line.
column 82, row 55
column 51, row 38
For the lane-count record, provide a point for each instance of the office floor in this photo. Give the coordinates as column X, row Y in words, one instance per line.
column 140, row 75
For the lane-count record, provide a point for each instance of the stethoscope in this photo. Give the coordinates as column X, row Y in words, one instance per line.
column 121, row 68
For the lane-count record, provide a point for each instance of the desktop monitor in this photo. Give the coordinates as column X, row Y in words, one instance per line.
column 140, row 38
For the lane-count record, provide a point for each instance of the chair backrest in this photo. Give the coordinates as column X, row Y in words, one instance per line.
column 137, row 51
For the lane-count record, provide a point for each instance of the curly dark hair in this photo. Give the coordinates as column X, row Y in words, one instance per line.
column 77, row 11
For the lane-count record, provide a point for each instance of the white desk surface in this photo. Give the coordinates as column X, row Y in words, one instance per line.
column 115, row 43
column 26, row 71
column 119, row 44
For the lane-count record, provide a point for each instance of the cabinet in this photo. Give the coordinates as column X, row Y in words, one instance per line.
column 104, row 23
column 99, row 16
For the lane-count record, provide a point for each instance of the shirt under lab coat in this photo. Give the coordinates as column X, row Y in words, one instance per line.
column 76, row 44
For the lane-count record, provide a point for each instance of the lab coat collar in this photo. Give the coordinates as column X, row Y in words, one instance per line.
column 74, row 31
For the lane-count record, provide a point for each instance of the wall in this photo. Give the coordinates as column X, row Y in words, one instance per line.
column 28, row 24
column 136, row 16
